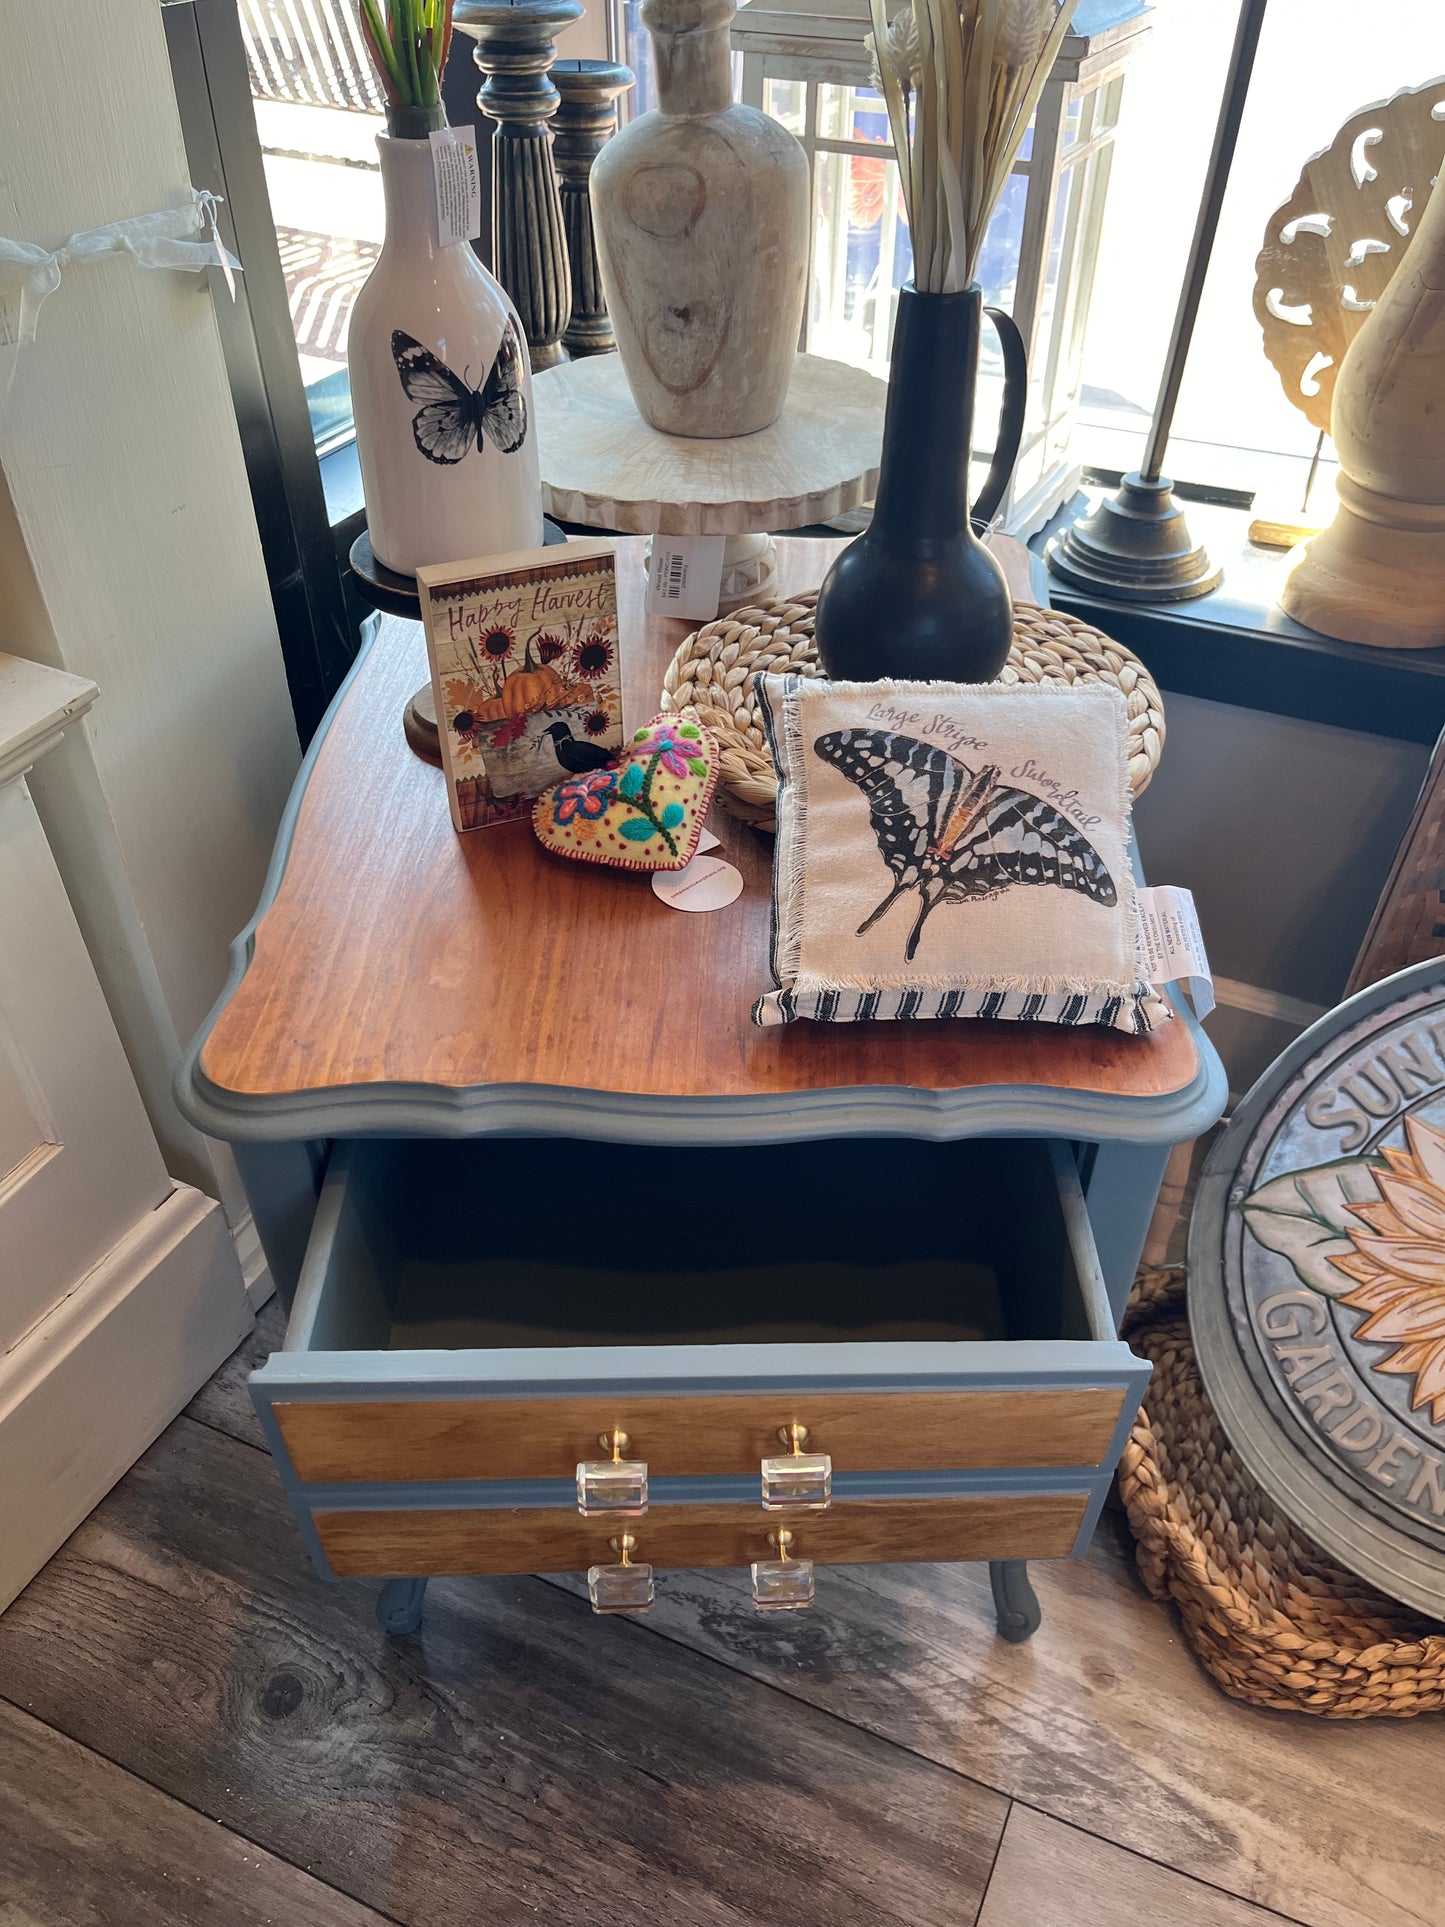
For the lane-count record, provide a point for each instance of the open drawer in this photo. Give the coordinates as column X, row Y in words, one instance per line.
column 475, row 1316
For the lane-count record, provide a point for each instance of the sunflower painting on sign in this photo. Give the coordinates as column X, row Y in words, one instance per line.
column 523, row 652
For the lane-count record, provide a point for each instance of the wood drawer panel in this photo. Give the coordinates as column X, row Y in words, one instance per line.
column 680, row 1435
column 1039, row 1525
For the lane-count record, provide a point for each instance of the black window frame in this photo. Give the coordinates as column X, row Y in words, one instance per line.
column 305, row 551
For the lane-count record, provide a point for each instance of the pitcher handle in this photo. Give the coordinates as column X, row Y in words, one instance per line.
column 1010, row 421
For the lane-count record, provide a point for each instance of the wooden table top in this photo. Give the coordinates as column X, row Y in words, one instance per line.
column 396, row 952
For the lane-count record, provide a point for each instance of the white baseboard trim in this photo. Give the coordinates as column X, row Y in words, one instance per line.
column 255, row 1272
column 87, row 1389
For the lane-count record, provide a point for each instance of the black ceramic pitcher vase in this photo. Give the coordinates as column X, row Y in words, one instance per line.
column 917, row 597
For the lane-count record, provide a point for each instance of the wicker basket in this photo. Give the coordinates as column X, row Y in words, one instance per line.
column 711, row 677
column 1272, row 1618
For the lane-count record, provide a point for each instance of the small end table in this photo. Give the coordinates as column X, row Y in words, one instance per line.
column 484, row 1104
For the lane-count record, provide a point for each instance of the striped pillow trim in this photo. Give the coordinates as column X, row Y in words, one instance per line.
column 1137, row 1011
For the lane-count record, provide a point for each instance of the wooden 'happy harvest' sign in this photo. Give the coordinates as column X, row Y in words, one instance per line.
column 523, row 652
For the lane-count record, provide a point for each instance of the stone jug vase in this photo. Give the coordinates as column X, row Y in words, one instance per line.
column 441, row 386
column 701, row 213
column 1377, row 573
column 917, row 596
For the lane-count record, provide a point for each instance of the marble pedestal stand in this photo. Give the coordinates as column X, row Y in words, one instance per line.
column 604, row 467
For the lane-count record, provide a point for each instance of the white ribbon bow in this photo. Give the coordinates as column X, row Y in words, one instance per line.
column 153, row 240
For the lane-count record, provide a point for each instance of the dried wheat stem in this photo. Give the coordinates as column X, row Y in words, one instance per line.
column 961, row 80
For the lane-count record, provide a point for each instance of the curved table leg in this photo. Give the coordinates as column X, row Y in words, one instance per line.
column 1014, row 1603
column 398, row 1609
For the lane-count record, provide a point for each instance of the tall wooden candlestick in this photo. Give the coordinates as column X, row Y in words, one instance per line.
column 586, row 118
column 516, row 46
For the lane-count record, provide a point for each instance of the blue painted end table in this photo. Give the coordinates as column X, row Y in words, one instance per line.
column 585, row 1271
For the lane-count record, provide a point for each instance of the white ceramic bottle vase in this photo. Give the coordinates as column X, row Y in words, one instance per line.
column 700, row 212
column 449, row 469
column 1377, row 573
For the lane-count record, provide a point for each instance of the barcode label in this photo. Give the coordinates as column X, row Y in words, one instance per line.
column 685, row 576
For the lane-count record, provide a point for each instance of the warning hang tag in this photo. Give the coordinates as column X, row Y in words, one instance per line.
column 1174, row 944
column 684, row 576
column 457, row 181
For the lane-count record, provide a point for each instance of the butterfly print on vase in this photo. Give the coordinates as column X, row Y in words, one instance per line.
column 954, row 834
column 454, row 416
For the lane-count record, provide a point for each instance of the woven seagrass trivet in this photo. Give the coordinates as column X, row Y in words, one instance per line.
column 712, row 676
column 1272, row 1618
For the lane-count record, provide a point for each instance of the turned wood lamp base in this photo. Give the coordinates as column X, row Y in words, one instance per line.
column 1376, row 575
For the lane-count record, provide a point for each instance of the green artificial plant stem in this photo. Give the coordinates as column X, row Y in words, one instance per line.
column 408, row 46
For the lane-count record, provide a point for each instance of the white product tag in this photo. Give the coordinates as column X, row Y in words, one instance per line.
column 684, row 577
column 707, row 883
column 457, row 179
column 1174, row 944
column 706, row 841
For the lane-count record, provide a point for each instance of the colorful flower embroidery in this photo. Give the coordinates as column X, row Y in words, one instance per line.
column 583, row 796
column 632, row 816
column 670, row 752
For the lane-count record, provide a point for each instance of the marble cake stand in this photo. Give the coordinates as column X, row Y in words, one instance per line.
column 605, row 468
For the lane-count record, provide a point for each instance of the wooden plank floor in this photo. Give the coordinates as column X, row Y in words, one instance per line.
column 193, row 1729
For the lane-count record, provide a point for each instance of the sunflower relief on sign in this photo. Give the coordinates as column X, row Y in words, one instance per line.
column 1369, row 1232
column 525, row 674
column 1330, row 1209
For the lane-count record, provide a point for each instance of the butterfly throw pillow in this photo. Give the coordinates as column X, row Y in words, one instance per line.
column 951, row 850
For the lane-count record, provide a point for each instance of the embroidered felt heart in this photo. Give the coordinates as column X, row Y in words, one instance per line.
column 646, row 812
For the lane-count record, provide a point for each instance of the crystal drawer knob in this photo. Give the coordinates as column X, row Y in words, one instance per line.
column 801, row 1480
column 784, row 1584
column 615, row 1485
column 623, row 1588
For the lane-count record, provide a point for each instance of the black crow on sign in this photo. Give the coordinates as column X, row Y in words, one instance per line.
column 576, row 758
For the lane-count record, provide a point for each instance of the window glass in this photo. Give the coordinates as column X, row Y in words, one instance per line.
column 786, row 101
column 1318, row 62
column 634, row 45
column 318, row 111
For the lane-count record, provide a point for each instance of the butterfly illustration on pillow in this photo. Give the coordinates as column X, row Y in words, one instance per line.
column 454, row 416
column 952, row 833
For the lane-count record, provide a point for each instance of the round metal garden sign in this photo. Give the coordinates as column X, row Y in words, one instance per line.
column 1317, row 1284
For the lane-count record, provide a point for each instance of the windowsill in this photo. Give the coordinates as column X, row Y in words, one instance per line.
column 1235, row 645
column 341, row 485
